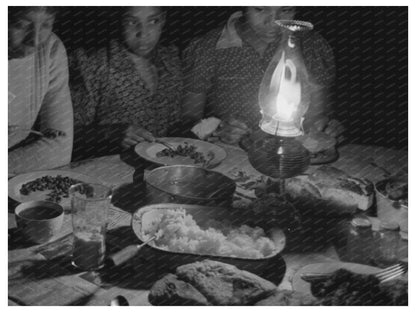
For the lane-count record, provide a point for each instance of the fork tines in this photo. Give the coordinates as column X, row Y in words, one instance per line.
column 169, row 146
column 392, row 272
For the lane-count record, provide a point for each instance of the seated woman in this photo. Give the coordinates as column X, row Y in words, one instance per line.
column 224, row 69
column 127, row 92
column 38, row 92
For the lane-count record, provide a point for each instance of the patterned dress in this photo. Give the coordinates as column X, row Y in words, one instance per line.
column 109, row 94
column 229, row 70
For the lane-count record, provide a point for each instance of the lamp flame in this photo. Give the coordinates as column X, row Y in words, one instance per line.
column 289, row 94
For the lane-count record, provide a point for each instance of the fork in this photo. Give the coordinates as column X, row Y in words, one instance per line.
column 170, row 147
column 47, row 133
column 19, row 128
column 384, row 275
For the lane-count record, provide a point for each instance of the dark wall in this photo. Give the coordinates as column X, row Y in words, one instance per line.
column 370, row 46
column 371, row 50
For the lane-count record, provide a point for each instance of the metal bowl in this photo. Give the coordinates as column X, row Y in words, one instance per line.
column 189, row 185
column 272, row 267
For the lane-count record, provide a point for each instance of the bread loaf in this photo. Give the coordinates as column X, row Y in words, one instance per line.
column 171, row 291
column 333, row 188
column 210, row 283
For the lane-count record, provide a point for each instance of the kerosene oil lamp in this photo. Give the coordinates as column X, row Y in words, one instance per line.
column 284, row 98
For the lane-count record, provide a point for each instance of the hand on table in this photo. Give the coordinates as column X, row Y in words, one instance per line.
column 134, row 135
column 231, row 131
column 333, row 127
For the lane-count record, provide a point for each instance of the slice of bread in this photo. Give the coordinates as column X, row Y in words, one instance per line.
column 331, row 188
column 206, row 127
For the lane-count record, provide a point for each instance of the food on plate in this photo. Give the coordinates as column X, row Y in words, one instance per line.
column 53, row 133
column 396, row 292
column 58, row 186
column 332, row 189
column 272, row 210
column 210, row 283
column 246, row 182
column 181, row 233
column 186, row 150
column 239, row 175
column 170, row 290
column 344, row 288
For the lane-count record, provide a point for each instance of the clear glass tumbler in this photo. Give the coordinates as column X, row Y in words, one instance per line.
column 89, row 203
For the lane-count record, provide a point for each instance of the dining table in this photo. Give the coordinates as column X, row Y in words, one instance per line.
column 42, row 274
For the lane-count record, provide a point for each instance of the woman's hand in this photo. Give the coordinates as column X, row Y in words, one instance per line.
column 333, row 127
column 134, row 135
column 231, row 131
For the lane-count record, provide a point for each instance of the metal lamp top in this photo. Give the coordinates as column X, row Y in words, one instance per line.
column 294, row 25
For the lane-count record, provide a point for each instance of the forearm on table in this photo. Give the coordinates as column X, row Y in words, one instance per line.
column 40, row 154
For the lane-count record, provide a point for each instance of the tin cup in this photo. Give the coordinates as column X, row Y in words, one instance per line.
column 39, row 221
column 89, row 205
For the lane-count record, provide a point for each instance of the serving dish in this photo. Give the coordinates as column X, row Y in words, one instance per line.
column 271, row 267
column 189, row 185
column 211, row 152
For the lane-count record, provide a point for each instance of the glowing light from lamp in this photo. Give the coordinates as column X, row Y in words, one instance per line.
column 286, row 93
column 289, row 95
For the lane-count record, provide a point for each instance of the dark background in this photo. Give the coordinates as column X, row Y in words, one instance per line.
column 370, row 46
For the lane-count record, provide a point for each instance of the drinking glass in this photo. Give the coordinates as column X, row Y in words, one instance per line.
column 89, row 204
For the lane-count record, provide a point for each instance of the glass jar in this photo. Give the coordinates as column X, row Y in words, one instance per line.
column 360, row 242
column 388, row 243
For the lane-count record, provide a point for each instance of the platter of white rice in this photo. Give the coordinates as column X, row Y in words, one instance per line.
column 181, row 231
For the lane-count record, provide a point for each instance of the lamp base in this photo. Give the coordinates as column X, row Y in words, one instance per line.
column 278, row 157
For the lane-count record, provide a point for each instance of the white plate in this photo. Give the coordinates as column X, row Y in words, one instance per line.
column 328, row 267
column 148, row 151
column 16, row 183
